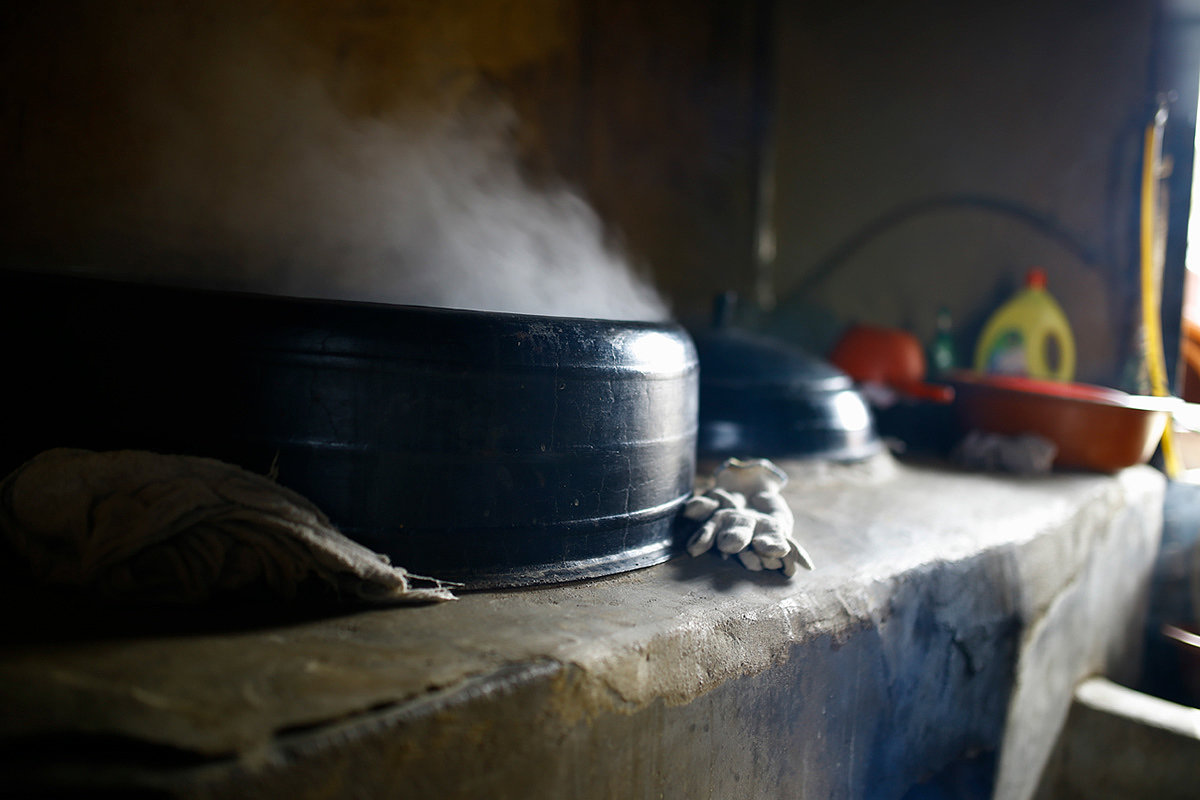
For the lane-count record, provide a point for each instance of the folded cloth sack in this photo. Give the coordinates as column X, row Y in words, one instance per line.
column 138, row 526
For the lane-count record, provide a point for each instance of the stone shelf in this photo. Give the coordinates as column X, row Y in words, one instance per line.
column 937, row 644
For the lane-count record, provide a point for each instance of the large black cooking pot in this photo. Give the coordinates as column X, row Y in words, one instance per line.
column 491, row 449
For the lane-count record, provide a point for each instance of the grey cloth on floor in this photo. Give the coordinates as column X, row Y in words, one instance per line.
column 138, row 526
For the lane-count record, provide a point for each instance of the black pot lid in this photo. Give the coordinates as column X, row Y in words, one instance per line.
column 760, row 396
column 733, row 358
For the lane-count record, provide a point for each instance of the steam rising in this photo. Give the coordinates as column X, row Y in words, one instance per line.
column 255, row 179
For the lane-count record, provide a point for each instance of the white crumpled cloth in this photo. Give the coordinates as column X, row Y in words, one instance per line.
column 138, row 526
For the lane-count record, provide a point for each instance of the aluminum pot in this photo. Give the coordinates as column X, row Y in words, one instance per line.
column 491, row 449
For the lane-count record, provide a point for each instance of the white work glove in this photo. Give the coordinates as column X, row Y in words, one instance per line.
column 744, row 515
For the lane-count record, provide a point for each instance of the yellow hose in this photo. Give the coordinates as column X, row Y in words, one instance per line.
column 1150, row 283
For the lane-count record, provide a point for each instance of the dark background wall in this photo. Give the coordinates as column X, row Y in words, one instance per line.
column 1011, row 112
column 922, row 154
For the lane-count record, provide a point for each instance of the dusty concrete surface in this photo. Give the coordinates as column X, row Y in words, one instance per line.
column 1093, row 626
column 936, row 593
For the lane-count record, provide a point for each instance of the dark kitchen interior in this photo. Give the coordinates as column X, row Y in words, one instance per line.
column 177, row 174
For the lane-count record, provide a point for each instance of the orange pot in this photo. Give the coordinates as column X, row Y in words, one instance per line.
column 890, row 356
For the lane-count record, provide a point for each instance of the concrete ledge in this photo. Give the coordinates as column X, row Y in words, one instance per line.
column 940, row 602
column 1120, row 743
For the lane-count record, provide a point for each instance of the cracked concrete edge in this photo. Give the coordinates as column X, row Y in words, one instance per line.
column 708, row 651
column 1107, row 595
column 261, row 770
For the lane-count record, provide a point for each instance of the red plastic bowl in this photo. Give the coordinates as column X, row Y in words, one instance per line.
column 1094, row 427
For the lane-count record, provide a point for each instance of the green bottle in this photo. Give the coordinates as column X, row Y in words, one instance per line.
column 942, row 358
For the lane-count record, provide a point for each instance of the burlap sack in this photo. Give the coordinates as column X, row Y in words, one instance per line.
column 138, row 526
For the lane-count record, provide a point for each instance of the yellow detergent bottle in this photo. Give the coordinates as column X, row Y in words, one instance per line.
column 1029, row 336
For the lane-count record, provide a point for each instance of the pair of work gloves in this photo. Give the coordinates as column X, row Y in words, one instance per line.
column 744, row 515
